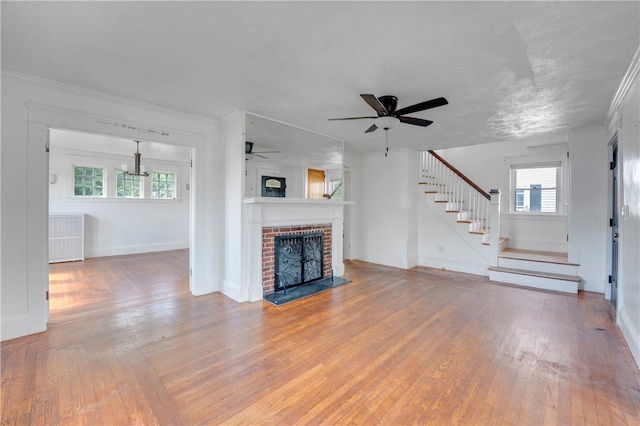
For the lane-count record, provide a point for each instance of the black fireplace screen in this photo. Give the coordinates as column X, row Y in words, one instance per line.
column 299, row 259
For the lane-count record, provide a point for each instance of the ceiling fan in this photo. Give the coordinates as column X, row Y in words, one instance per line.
column 249, row 152
column 388, row 117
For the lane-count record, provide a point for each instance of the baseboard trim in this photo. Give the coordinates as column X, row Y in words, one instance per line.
column 143, row 248
column 17, row 328
column 630, row 335
column 449, row 265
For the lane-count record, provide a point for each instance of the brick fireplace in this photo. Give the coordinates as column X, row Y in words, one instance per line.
column 269, row 235
column 249, row 274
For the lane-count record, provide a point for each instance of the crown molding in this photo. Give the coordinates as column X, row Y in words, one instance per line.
column 627, row 81
column 77, row 90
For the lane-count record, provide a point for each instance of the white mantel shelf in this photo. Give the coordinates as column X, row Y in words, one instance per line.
column 284, row 200
column 264, row 212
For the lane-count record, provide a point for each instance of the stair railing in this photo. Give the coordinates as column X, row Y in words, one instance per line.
column 460, row 193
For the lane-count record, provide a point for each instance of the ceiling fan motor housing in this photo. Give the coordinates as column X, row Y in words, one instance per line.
column 389, row 102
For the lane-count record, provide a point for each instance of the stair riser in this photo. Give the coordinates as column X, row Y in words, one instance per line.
column 454, row 206
column 534, row 282
column 476, row 225
column 553, row 268
column 464, row 215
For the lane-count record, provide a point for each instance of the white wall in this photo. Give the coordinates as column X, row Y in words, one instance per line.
column 29, row 107
column 255, row 169
column 588, row 221
column 121, row 226
column 234, row 183
column 384, row 226
column 629, row 224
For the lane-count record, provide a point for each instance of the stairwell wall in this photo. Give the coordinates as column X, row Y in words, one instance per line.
column 488, row 165
column 384, row 226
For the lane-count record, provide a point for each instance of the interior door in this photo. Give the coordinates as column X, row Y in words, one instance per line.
column 613, row 276
column 315, row 183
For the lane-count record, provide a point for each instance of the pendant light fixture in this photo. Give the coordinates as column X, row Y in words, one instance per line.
column 138, row 170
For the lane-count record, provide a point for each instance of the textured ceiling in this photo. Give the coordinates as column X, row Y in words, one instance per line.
column 509, row 69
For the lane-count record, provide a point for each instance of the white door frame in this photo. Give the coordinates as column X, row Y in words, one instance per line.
column 40, row 119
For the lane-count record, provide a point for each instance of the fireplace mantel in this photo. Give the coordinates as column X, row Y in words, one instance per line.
column 261, row 212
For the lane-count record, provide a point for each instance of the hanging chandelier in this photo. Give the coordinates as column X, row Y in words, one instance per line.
column 138, row 170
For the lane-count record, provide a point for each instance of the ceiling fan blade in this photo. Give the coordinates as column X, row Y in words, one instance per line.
column 265, row 152
column 375, row 104
column 349, row 118
column 433, row 103
column 371, row 129
column 261, row 156
column 415, row 121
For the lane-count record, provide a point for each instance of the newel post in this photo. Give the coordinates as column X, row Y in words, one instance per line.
column 494, row 227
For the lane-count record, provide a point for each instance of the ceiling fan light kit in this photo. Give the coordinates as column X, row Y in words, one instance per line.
column 387, row 122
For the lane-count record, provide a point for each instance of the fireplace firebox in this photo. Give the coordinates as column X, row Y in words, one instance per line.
column 299, row 259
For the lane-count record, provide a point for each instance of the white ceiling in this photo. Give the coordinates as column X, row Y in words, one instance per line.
column 509, row 69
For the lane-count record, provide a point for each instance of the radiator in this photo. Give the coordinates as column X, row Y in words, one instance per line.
column 66, row 237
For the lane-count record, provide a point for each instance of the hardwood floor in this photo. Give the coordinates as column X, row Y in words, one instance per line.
column 128, row 344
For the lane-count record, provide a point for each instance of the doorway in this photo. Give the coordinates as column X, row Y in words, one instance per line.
column 613, row 271
column 124, row 214
column 315, row 183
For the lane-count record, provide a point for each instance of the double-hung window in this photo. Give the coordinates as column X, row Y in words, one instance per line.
column 128, row 186
column 88, row 181
column 163, row 185
column 536, row 187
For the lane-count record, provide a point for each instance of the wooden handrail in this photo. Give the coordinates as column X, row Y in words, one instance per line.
column 463, row 177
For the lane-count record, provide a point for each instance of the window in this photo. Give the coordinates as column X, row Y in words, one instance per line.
column 88, row 181
column 535, row 187
column 163, row 185
column 336, row 189
column 127, row 186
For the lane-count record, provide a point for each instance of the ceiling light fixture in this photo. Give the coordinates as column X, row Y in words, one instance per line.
column 138, row 170
column 387, row 122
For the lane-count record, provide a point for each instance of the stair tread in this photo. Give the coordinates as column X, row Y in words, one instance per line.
column 480, row 231
column 502, row 240
column 536, row 256
column 563, row 277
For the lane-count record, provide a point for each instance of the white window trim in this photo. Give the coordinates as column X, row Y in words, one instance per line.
column 115, row 183
column 71, row 187
column 176, row 183
column 545, row 160
column 110, row 164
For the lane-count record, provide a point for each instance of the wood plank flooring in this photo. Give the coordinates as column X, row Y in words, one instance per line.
column 128, row 344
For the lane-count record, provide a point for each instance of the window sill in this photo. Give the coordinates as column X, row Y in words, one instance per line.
column 535, row 216
column 121, row 200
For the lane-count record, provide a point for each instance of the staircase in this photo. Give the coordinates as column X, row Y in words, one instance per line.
column 473, row 206
column 537, row 269
column 457, row 193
